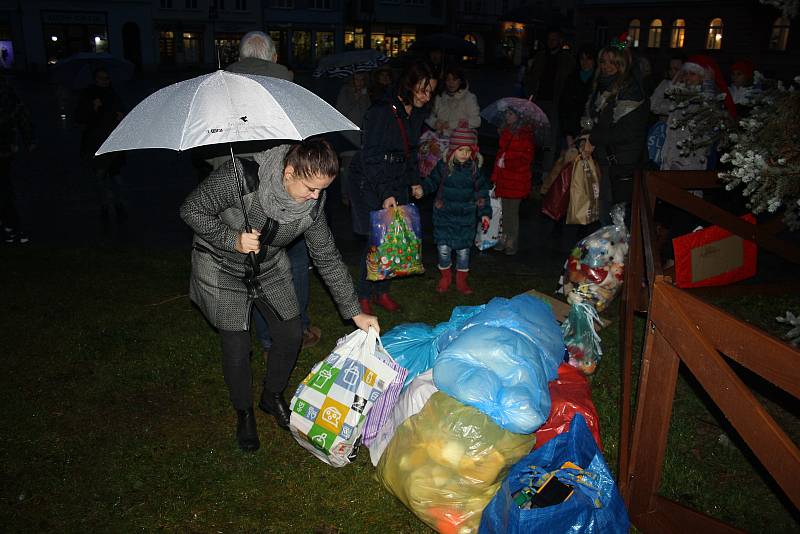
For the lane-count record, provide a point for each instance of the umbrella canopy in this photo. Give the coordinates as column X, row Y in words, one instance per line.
column 77, row 71
column 224, row 107
column 446, row 42
column 525, row 109
column 348, row 63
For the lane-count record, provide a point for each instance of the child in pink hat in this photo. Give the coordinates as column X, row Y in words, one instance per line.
column 462, row 198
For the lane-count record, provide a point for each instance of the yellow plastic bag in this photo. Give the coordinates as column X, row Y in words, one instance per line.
column 447, row 462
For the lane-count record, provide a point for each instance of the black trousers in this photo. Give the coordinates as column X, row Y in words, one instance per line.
column 286, row 339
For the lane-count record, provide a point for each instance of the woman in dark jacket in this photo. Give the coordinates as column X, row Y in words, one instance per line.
column 386, row 167
column 616, row 117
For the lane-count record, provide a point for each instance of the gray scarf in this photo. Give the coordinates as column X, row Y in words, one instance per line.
column 271, row 193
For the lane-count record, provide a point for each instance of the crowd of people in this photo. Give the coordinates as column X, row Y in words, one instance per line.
column 604, row 104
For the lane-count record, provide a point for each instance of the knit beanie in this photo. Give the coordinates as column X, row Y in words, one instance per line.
column 462, row 136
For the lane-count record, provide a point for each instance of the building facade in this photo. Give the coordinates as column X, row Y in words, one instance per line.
column 725, row 30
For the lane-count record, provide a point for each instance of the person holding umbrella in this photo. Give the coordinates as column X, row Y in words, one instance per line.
column 285, row 187
column 386, row 167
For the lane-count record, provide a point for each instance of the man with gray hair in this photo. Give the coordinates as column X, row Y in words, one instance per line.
column 257, row 55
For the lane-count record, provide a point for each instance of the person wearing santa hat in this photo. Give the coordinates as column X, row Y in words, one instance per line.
column 462, row 198
column 703, row 74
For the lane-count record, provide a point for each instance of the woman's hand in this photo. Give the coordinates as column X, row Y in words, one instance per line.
column 248, row 242
column 390, row 202
column 416, row 191
column 364, row 321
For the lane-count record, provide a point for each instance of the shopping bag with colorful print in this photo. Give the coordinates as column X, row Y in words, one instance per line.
column 330, row 406
column 395, row 243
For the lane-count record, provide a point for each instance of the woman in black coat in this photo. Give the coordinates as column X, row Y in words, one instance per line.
column 617, row 115
column 386, row 167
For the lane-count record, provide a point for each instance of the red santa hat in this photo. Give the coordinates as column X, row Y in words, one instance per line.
column 708, row 68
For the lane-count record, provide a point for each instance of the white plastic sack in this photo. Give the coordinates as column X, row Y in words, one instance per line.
column 411, row 401
column 330, row 406
column 485, row 240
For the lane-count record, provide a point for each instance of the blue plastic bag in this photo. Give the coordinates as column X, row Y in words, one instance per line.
column 416, row 345
column 501, row 361
column 598, row 510
column 655, row 141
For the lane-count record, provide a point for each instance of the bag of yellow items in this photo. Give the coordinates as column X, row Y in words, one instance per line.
column 330, row 406
column 447, row 462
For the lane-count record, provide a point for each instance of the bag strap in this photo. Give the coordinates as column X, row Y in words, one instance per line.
column 403, row 133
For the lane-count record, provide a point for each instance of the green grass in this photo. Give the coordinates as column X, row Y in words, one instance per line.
column 116, row 417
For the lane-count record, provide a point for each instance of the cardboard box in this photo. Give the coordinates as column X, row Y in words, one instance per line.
column 713, row 257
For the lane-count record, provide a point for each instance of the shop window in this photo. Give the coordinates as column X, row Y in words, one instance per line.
column 678, row 34
column 714, row 39
column 166, row 47
column 780, row 34
column 634, row 31
column 406, row 40
column 654, row 35
column 354, row 37
column 281, row 42
column 193, row 47
column 324, row 43
column 301, row 47
column 377, row 42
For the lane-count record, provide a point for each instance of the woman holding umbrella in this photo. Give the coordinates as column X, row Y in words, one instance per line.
column 235, row 267
column 386, row 167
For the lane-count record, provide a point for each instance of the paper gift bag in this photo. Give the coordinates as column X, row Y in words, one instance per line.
column 584, row 192
column 330, row 406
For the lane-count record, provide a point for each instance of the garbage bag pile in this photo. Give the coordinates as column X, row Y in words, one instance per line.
column 595, row 269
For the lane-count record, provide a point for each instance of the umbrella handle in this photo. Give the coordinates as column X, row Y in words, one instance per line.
column 251, row 256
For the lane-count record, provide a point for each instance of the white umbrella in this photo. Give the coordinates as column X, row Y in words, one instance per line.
column 224, row 107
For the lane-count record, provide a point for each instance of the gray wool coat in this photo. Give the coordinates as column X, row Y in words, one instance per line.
column 213, row 211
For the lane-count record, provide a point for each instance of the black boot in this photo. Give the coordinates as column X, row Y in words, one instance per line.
column 246, row 433
column 275, row 405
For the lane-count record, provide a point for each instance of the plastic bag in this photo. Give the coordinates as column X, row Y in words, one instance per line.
column 501, row 361
column 581, row 338
column 655, row 141
column 384, row 406
column 430, row 149
column 595, row 507
column 330, row 405
column 395, row 243
column 594, row 271
column 446, row 462
column 411, row 401
column 416, row 345
column 569, row 394
column 486, row 239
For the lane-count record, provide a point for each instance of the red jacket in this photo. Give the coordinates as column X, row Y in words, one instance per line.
column 515, row 153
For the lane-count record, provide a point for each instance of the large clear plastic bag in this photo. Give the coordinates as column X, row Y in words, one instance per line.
column 502, row 360
column 447, row 462
column 594, row 271
column 581, row 338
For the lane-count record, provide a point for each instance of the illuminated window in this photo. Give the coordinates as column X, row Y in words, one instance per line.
column 301, row 47
column 166, row 47
column 780, row 34
column 634, row 29
column 354, row 37
column 678, row 34
column 193, row 47
column 324, row 44
column 714, row 39
column 654, row 35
